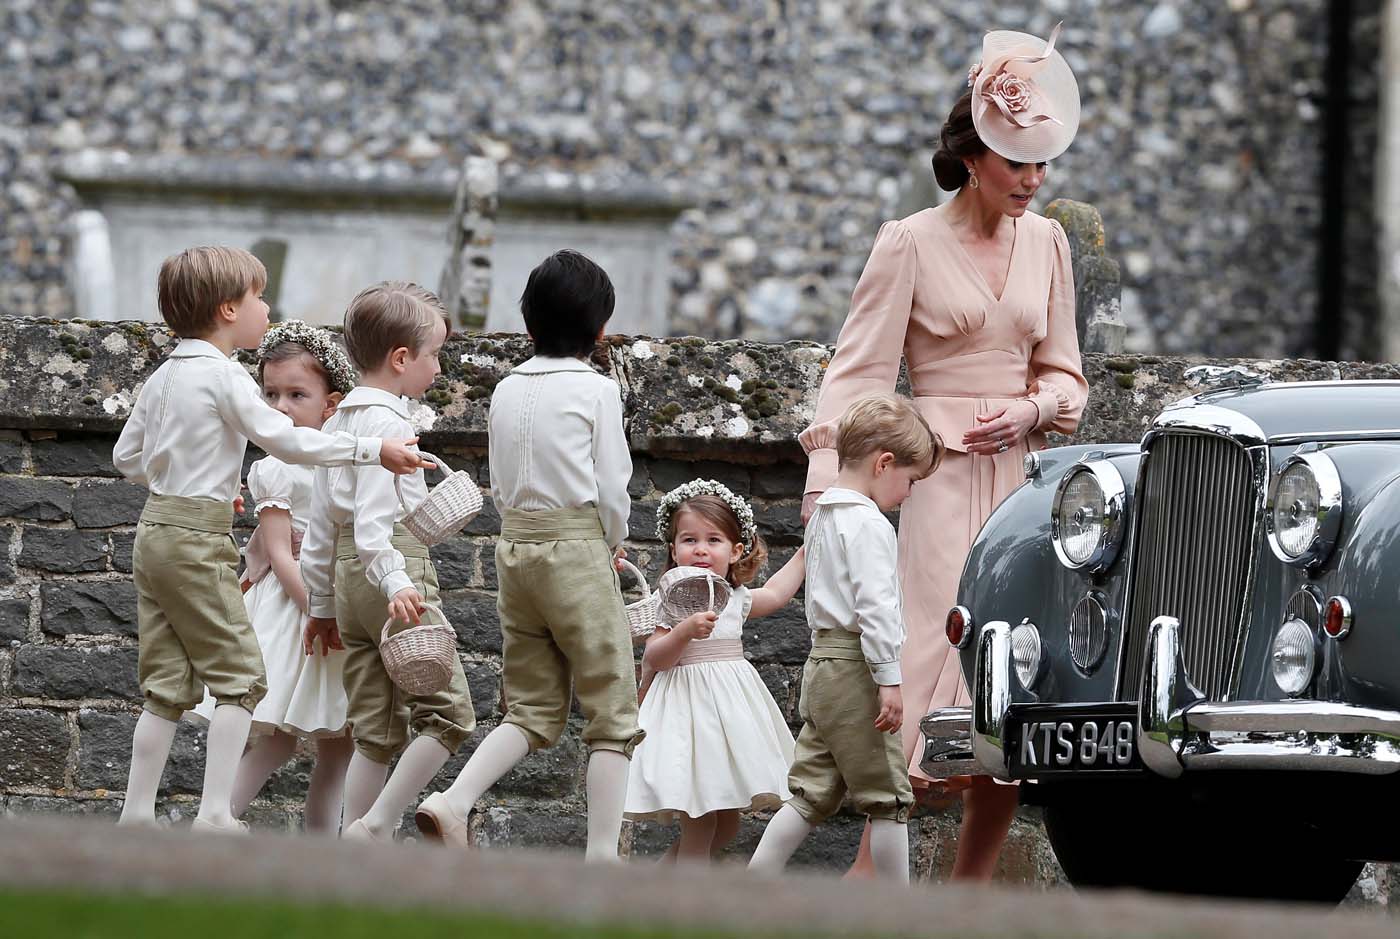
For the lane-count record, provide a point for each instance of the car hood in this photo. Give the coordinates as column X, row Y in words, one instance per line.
column 1291, row 412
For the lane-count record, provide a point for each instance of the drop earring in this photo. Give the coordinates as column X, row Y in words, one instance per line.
column 972, row 180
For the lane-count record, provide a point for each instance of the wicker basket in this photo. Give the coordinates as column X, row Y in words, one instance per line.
column 420, row 659
column 685, row 591
column 450, row 505
column 641, row 614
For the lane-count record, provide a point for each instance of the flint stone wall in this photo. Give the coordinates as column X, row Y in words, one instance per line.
column 729, row 410
column 793, row 129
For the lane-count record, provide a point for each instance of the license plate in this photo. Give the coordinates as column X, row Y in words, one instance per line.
column 1054, row 740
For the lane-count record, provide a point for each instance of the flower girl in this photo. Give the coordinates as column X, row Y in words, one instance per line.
column 716, row 742
column 303, row 374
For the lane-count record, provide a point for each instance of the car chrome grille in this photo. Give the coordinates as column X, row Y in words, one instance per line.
column 1192, row 556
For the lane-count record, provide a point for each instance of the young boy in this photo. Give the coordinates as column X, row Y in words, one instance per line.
column 850, row 701
column 559, row 470
column 184, row 441
column 357, row 557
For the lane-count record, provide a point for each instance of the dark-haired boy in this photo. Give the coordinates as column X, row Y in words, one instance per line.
column 559, row 470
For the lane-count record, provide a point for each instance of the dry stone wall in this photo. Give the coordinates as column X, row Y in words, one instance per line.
column 728, row 410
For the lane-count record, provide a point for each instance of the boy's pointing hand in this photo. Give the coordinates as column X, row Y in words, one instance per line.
column 397, row 456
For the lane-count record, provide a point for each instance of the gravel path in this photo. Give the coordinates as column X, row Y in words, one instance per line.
column 89, row 855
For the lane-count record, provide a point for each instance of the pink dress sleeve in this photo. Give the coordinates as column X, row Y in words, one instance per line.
column 869, row 347
column 1056, row 384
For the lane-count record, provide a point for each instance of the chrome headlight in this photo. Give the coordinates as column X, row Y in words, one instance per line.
column 1086, row 518
column 1304, row 511
column 1027, row 654
column 1294, row 657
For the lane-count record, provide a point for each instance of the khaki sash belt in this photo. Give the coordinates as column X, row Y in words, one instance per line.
column 837, row 644
column 551, row 525
column 185, row 512
column 402, row 541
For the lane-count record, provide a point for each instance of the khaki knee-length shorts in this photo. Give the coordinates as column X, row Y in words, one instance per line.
column 839, row 750
column 381, row 713
column 564, row 630
column 192, row 627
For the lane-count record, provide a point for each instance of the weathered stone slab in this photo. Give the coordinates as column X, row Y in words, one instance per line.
column 34, row 747
column 63, row 550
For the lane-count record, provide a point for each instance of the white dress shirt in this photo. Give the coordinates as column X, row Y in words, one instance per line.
column 192, row 422
column 557, row 442
column 362, row 496
column 853, row 579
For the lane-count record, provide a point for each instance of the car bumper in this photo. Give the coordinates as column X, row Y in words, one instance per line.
column 1178, row 730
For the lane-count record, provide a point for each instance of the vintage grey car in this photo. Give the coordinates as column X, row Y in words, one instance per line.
column 1189, row 648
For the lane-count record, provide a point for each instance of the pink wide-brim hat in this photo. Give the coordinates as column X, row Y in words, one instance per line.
column 1025, row 101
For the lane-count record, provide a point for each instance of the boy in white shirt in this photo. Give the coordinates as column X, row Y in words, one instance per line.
column 850, row 705
column 359, row 561
column 559, row 470
column 185, row 441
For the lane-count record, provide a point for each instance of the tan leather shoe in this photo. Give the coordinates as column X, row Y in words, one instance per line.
column 438, row 822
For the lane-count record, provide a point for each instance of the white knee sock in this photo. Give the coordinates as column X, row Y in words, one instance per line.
column 784, row 835
column 150, row 748
column 494, row 757
column 263, row 759
column 889, row 849
column 606, row 784
column 364, row 780
column 326, row 791
column 415, row 769
column 228, row 734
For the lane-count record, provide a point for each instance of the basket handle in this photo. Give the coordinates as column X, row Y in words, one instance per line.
column 441, row 464
column 384, row 633
column 633, row 570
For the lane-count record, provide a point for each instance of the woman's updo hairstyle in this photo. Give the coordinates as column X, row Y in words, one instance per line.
column 957, row 141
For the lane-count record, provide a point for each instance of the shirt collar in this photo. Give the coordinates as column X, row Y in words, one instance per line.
column 362, row 396
column 838, row 496
column 197, row 348
column 543, row 364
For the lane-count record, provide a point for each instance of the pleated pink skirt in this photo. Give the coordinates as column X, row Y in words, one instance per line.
column 937, row 524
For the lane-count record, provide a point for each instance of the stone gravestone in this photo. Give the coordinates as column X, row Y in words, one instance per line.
column 1098, row 286
column 465, row 287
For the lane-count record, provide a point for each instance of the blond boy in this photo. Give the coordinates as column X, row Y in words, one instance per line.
column 850, row 704
column 361, row 565
column 185, row 441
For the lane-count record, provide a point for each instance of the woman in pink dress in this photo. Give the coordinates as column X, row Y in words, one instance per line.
column 977, row 296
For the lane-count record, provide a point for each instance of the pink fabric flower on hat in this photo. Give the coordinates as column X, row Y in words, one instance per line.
column 1014, row 91
column 973, row 72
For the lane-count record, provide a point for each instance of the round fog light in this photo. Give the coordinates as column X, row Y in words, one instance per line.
column 1293, row 657
column 958, row 627
column 1026, row 653
column 1088, row 631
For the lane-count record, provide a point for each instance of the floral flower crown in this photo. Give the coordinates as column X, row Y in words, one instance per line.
column 319, row 343
column 748, row 531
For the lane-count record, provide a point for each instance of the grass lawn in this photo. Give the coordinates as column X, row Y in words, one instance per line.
column 72, row 915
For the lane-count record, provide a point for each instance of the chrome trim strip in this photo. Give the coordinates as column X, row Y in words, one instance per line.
column 1282, row 440
column 991, row 696
column 1130, row 566
column 1209, row 419
column 947, row 750
column 1314, row 717
column 1329, row 507
column 1115, row 501
column 1166, row 695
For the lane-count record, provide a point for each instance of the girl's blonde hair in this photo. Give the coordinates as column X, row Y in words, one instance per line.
column 887, row 423
column 717, row 512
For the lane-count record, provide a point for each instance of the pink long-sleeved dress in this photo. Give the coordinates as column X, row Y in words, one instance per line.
column 969, row 352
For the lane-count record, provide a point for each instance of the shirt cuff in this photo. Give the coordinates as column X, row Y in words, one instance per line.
column 885, row 673
column 821, row 469
column 367, row 450
column 321, row 606
column 393, row 582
